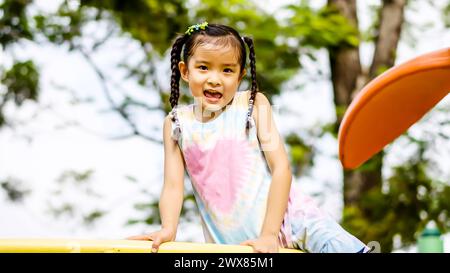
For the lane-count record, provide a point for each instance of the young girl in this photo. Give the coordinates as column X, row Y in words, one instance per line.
column 229, row 144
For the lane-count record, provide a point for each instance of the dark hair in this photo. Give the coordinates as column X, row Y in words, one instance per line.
column 221, row 34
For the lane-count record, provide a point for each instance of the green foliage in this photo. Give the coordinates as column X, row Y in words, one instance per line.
column 152, row 216
column 76, row 176
column 446, row 15
column 340, row 111
column 62, row 204
column 148, row 21
column 92, row 217
column 373, row 164
column 14, row 189
column 411, row 200
column 301, row 154
column 381, row 70
column 65, row 208
column 21, row 83
column 320, row 29
column 14, row 24
column 65, row 25
column 151, row 210
column 131, row 178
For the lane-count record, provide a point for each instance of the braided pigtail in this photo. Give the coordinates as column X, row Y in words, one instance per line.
column 175, row 58
column 254, row 86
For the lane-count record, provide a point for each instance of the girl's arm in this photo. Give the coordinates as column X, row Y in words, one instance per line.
column 171, row 199
column 172, row 194
column 278, row 162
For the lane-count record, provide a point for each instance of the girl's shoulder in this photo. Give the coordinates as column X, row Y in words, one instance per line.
column 262, row 103
column 178, row 119
column 243, row 97
column 180, row 114
column 260, row 98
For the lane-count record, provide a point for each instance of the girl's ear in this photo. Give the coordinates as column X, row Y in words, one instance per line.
column 183, row 71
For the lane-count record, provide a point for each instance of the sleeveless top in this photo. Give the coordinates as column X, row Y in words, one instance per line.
column 229, row 175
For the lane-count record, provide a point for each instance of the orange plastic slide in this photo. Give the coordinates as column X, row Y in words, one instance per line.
column 391, row 103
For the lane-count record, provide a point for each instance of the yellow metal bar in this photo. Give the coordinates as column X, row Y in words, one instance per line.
column 116, row 246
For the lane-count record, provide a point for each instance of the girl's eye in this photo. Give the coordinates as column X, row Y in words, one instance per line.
column 203, row 67
column 228, row 70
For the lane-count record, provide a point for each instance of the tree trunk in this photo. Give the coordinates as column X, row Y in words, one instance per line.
column 391, row 21
column 348, row 78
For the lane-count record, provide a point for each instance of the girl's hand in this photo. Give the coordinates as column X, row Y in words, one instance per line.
column 263, row 244
column 158, row 237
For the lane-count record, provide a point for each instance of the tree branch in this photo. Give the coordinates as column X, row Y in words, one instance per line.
column 118, row 109
column 391, row 21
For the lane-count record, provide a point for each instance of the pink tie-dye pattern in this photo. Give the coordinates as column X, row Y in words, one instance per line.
column 217, row 173
column 301, row 205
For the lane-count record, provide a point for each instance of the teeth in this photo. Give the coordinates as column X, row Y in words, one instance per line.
column 214, row 94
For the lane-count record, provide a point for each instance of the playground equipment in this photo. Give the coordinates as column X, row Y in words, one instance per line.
column 391, row 103
column 116, row 246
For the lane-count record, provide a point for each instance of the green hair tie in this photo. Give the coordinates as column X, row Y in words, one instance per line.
column 196, row 27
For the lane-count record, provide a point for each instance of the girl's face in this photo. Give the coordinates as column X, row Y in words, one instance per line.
column 213, row 74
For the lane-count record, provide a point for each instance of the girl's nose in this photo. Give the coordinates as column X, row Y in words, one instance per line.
column 213, row 82
column 213, row 79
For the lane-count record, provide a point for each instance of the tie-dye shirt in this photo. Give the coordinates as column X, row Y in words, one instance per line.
column 231, row 181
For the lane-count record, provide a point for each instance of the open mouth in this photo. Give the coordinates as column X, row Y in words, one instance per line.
column 212, row 94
